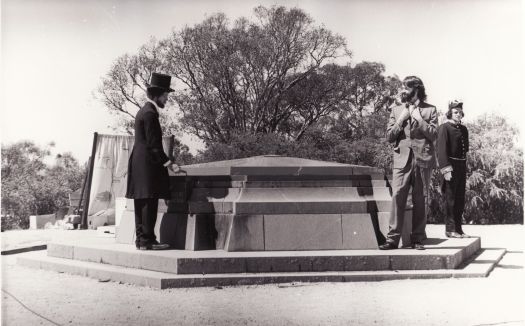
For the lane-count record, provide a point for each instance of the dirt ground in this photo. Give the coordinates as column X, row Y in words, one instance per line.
column 38, row 297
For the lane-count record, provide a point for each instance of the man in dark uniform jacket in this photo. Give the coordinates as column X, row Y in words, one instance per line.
column 452, row 151
column 148, row 179
column 412, row 129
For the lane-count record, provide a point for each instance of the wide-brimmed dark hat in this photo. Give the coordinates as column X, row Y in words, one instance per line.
column 160, row 81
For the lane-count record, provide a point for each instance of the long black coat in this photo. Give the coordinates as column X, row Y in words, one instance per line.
column 147, row 175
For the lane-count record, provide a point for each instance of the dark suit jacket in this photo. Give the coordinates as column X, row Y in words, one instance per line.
column 147, row 176
column 420, row 138
column 452, row 144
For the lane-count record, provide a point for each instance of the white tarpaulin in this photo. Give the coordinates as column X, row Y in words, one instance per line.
column 110, row 170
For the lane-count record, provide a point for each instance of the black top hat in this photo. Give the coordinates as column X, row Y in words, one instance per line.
column 160, row 81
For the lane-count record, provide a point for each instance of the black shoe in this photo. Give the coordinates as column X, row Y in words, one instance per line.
column 418, row 245
column 388, row 246
column 453, row 235
column 464, row 235
column 153, row 246
column 159, row 246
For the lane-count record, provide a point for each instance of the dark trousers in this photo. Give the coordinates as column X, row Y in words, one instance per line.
column 145, row 219
column 417, row 177
column 454, row 191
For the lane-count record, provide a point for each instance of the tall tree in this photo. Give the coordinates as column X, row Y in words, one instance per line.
column 231, row 77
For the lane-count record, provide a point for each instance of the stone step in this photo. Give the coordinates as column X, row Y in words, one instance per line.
column 480, row 266
column 445, row 254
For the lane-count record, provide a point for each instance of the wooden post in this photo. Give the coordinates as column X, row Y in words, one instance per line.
column 84, row 184
column 84, row 224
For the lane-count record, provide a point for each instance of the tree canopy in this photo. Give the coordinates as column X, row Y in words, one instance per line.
column 277, row 74
column 31, row 186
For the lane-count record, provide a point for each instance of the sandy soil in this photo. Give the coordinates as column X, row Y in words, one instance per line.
column 73, row 300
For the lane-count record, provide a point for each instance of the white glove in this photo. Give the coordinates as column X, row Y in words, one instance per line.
column 174, row 167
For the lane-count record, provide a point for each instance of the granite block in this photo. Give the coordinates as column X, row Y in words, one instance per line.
column 211, row 265
column 302, row 232
column 413, row 262
column 358, row 232
column 246, row 233
column 223, row 225
column 366, row 263
column 200, row 232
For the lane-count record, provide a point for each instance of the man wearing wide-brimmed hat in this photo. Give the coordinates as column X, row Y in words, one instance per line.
column 148, row 179
column 453, row 145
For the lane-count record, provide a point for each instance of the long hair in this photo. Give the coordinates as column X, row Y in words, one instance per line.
column 417, row 83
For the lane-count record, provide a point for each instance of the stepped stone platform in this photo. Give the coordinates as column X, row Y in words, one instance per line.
column 267, row 219
column 102, row 258
column 268, row 203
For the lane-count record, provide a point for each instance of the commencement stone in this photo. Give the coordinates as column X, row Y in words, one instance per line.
column 272, row 202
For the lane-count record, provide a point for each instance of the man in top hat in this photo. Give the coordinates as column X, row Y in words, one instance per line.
column 453, row 145
column 148, row 179
column 412, row 129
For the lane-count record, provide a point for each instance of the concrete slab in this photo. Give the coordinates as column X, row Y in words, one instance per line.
column 478, row 267
column 62, row 250
column 441, row 253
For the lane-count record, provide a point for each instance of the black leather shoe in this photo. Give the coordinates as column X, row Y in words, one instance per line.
column 388, row 246
column 418, row 245
column 153, row 246
column 464, row 235
column 159, row 246
column 453, row 235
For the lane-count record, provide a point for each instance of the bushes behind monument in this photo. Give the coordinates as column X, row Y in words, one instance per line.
column 495, row 165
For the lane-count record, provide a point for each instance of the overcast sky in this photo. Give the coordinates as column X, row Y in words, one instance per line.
column 55, row 52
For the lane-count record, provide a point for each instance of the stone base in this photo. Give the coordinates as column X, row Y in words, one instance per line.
column 243, row 232
column 103, row 258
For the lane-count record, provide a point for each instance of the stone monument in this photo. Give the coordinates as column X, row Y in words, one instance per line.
column 270, row 203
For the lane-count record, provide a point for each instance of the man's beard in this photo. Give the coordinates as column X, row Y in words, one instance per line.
column 160, row 105
column 405, row 97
